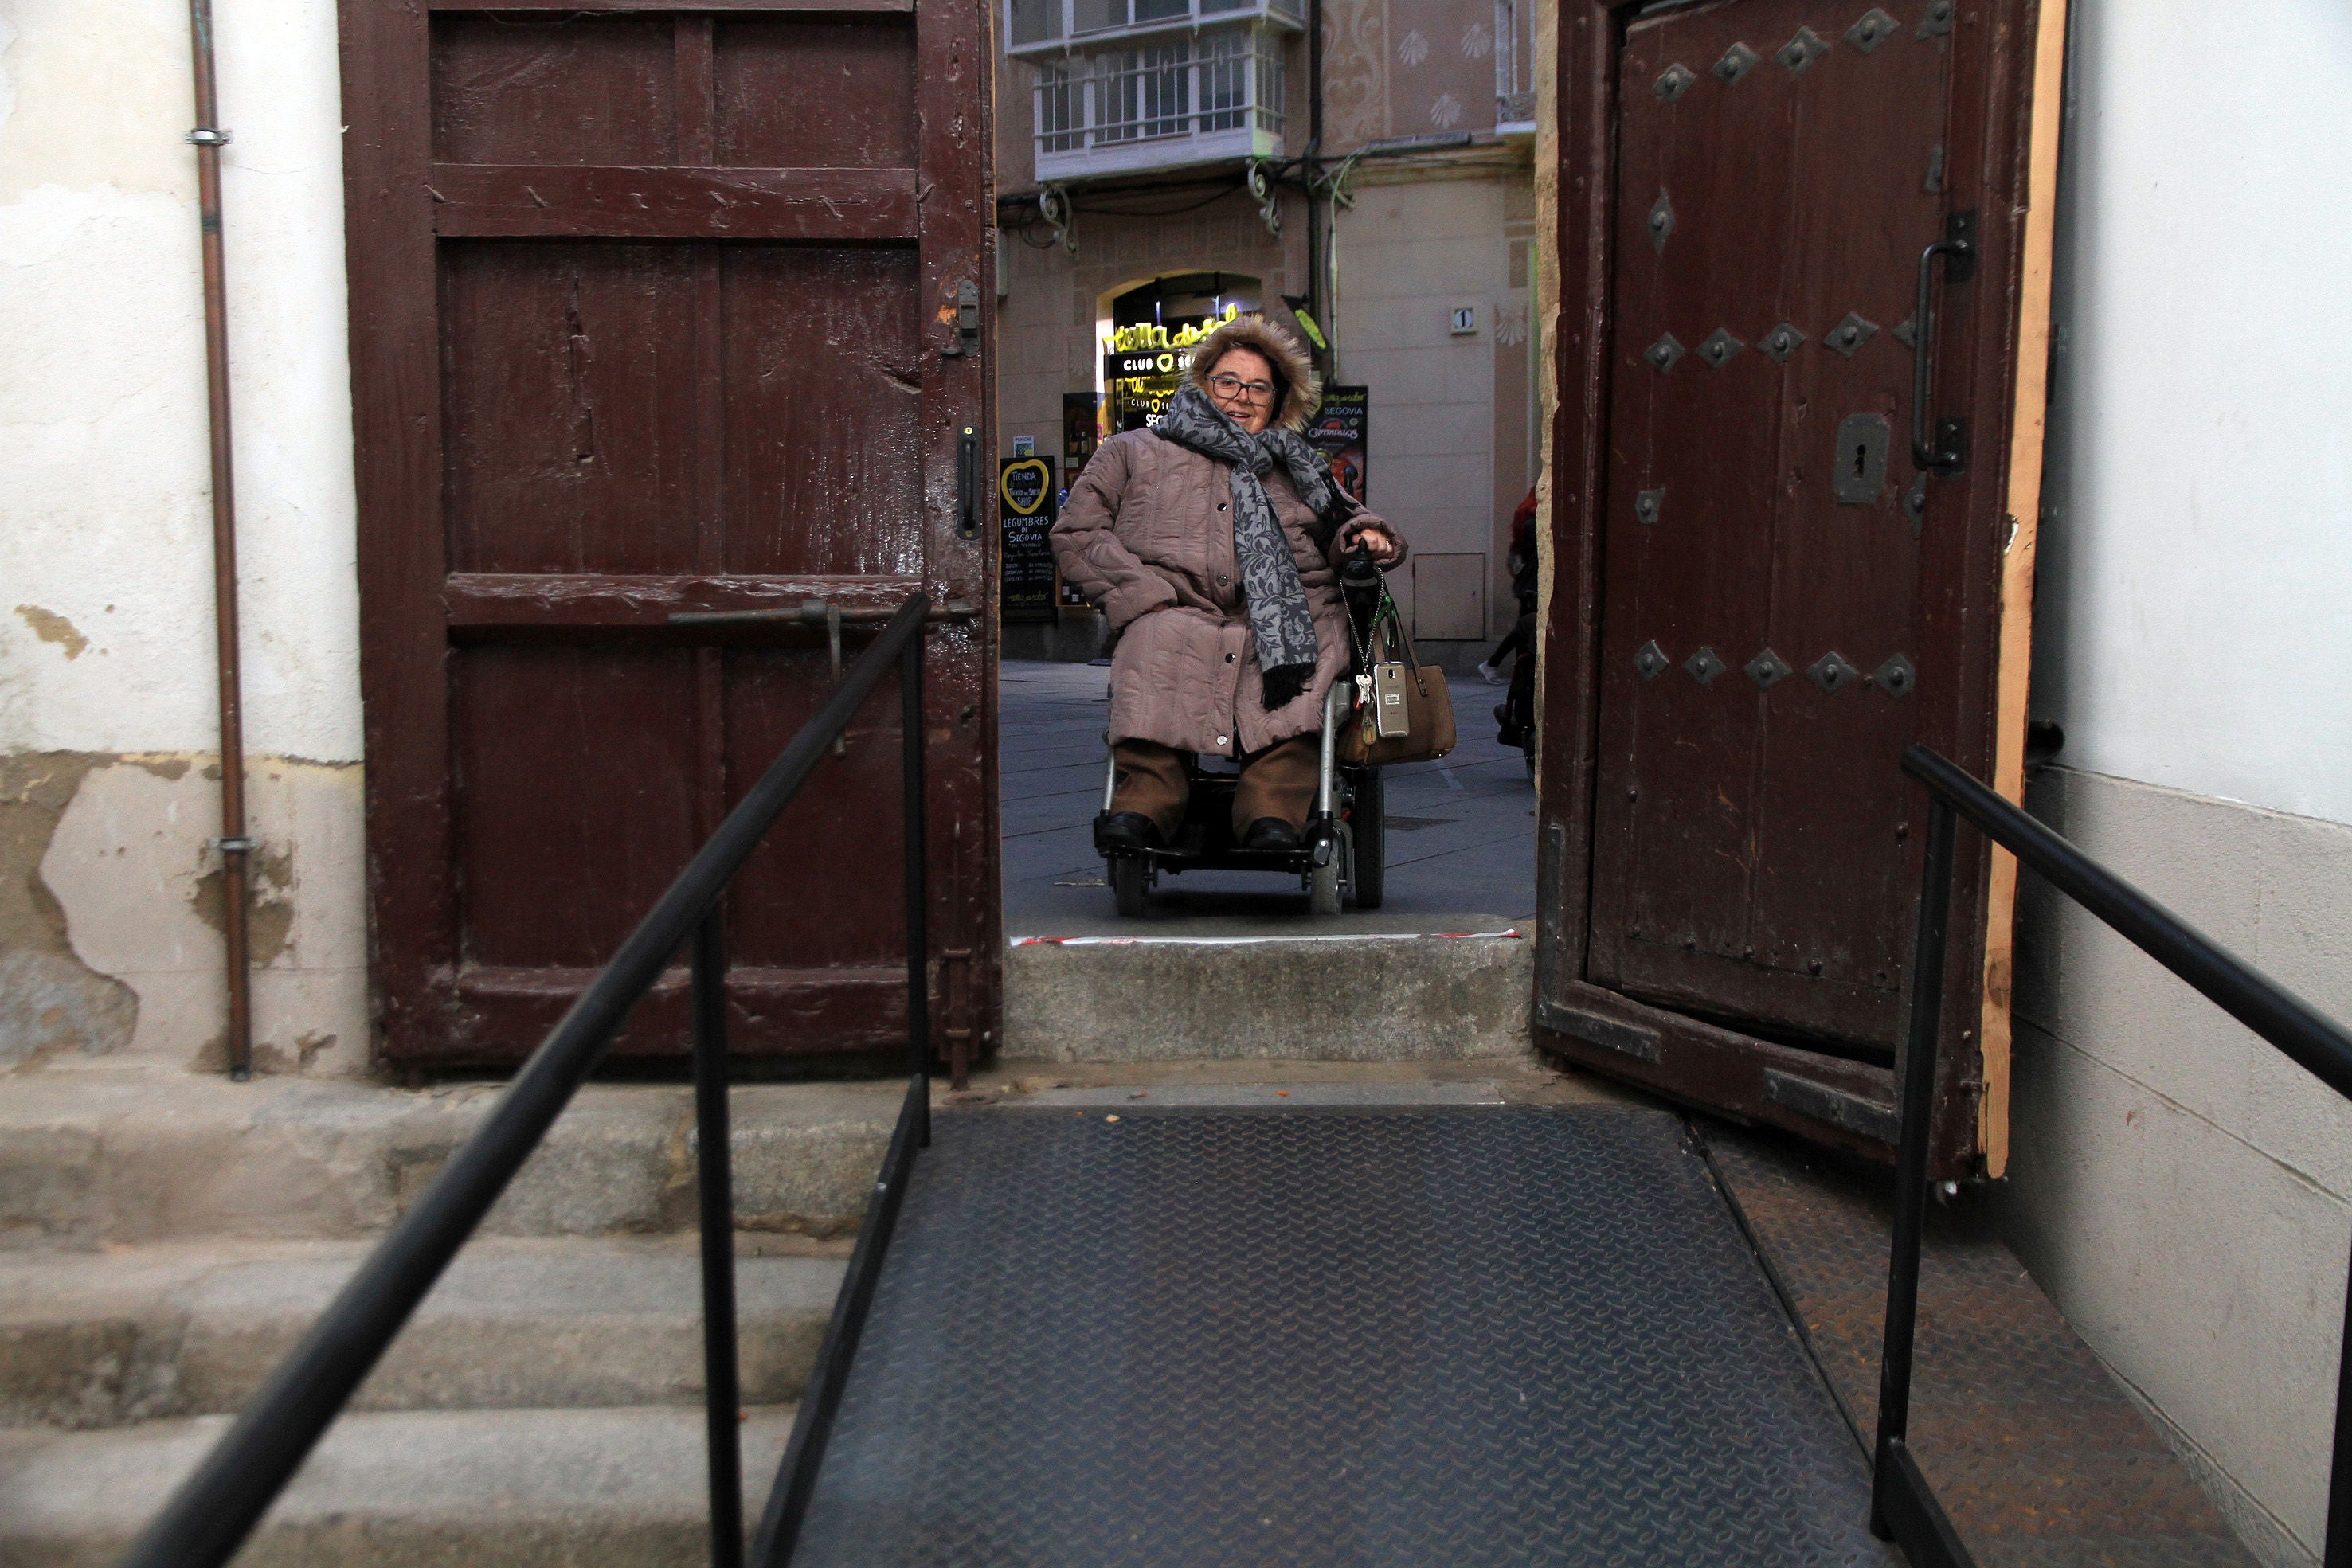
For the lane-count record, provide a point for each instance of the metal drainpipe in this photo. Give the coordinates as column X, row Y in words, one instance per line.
column 1312, row 162
column 235, row 848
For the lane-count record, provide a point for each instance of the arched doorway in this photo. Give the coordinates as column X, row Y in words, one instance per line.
column 1147, row 328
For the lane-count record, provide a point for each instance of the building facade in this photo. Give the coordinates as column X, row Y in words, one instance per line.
column 1153, row 172
column 2185, row 1194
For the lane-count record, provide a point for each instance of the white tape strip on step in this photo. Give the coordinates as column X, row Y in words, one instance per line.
column 1257, row 941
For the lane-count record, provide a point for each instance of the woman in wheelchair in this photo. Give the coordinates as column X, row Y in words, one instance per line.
column 1212, row 541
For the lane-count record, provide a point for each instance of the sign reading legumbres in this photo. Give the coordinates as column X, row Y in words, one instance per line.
column 1026, row 508
column 1339, row 430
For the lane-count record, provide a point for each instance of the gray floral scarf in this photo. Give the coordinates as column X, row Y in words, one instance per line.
column 1276, row 600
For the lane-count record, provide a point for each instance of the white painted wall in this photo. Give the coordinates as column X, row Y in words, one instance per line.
column 106, row 613
column 2184, row 1193
column 2197, row 575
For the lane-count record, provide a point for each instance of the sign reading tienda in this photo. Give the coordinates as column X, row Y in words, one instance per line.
column 1027, row 504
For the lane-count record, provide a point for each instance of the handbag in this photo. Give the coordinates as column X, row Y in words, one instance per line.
column 1404, row 709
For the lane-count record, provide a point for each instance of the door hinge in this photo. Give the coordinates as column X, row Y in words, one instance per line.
column 967, row 322
column 955, row 964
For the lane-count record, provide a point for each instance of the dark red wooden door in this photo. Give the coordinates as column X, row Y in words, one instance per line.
column 1761, row 608
column 1771, row 597
column 653, row 311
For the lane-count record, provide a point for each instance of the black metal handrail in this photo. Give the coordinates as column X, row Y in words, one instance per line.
column 1903, row 1507
column 216, row 1508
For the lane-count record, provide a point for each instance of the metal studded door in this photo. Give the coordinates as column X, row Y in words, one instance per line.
column 1783, row 517
column 657, row 310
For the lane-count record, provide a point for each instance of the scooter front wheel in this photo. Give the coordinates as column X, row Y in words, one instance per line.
column 1323, row 888
column 1126, row 884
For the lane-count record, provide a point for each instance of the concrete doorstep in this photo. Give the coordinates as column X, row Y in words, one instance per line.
column 1362, row 995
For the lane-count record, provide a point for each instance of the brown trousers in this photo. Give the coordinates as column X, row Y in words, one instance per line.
column 1277, row 782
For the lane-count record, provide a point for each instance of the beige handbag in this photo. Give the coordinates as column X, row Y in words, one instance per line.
column 1404, row 709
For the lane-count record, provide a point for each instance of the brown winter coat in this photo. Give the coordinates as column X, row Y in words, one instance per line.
column 1146, row 535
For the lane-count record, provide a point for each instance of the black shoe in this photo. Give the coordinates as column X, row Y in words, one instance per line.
column 1270, row 833
column 1127, row 830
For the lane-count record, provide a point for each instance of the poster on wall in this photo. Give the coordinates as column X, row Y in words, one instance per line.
column 1339, row 430
column 1026, row 508
column 1081, row 416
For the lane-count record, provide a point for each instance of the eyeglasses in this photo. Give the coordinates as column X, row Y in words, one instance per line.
column 1225, row 385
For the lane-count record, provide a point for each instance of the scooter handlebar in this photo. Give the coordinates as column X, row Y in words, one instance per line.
column 1359, row 571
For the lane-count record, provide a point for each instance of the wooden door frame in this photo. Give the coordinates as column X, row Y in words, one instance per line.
column 1846, row 1104
column 406, row 609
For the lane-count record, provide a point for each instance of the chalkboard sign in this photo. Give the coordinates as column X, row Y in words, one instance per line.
column 1026, row 508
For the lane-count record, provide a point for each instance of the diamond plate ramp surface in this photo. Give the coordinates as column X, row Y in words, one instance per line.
column 1445, row 1337
column 2034, row 1451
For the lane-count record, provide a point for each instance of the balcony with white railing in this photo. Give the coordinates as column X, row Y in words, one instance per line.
column 1037, row 29
column 1160, row 103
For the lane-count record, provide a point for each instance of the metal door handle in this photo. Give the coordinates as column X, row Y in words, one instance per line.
column 1947, row 452
column 968, row 483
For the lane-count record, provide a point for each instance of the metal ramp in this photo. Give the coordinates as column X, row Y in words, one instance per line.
column 1330, row 1337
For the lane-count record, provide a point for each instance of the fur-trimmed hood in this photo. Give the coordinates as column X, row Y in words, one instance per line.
column 1303, row 393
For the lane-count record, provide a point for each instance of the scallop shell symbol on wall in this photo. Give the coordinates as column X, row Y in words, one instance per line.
column 1446, row 112
column 1661, row 222
column 1875, row 28
column 1672, row 82
column 1800, row 52
column 1663, row 353
column 1413, row 48
column 1477, row 41
column 1737, row 62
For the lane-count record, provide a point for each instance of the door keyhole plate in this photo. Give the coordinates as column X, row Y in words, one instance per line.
column 1859, row 471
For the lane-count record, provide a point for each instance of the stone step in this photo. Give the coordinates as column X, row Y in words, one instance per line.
column 128, row 1157
column 521, row 1489
column 94, row 1340
column 1364, row 996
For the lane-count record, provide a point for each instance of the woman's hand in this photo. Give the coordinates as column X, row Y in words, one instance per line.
column 1378, row 542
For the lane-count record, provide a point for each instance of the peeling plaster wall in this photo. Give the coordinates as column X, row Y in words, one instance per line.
column 108, row 776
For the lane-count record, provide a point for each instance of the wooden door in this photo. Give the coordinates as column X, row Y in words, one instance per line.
column 655, row 309
column 1766, row 594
